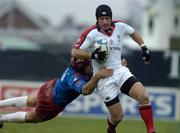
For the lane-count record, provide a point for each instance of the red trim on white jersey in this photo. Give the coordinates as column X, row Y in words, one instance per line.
column 81, row 64
column 83, row 36
column 112, row 28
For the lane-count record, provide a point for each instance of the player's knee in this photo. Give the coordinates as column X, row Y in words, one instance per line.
column 144, row 99
column 31, row 101
column 120, row 118
column 117, row 118
column 31, row 117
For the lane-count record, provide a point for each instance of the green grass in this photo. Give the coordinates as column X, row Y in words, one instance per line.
column 87, row 125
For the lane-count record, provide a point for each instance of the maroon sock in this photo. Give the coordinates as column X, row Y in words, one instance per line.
column 147, row 115
column 111, row 127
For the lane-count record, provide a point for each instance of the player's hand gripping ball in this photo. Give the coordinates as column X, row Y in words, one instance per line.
column 100, row 51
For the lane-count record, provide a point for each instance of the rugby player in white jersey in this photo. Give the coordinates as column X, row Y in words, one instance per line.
column 122, row 81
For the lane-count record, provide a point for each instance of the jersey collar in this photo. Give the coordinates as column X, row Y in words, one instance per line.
column 109, row 32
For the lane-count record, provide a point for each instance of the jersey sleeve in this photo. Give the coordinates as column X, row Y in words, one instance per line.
column 86, row 39
column 87, row 42
column 128, row 30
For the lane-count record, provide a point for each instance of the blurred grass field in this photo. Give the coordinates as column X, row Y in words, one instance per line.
column 65, row 124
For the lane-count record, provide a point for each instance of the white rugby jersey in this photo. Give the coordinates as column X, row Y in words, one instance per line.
column 115, row 44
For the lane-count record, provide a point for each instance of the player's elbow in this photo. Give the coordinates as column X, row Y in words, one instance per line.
column 85, row 94
column 86, row 91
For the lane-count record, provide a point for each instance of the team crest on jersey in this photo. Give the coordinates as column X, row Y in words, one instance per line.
column 110, row 41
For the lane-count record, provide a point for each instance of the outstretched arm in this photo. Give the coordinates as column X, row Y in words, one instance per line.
column 89, row 87
column 137, row 38
column 145, row 53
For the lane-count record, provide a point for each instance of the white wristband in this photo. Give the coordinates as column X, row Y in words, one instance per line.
column 142, row 45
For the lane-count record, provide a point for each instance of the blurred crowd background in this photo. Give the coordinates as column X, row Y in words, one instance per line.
column 36, row 37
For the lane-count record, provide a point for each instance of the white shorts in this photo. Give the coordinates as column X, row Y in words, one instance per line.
column 109, row 88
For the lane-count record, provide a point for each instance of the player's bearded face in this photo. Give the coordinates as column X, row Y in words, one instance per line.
column 104, row 22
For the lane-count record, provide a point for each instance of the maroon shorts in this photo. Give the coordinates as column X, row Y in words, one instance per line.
column 45, row 108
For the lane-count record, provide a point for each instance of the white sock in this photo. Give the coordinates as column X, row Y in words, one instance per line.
column 14, row 102
column 18, row 117
column 140, row 105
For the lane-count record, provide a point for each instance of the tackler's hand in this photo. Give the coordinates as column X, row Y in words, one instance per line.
column 124, row 62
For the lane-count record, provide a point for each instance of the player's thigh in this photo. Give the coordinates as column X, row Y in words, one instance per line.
column 45, row 108
column 139, row 93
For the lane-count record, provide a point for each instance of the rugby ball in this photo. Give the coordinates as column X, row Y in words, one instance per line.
column 103, row 45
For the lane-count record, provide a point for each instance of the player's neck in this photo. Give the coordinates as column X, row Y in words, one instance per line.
column 108, row 31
